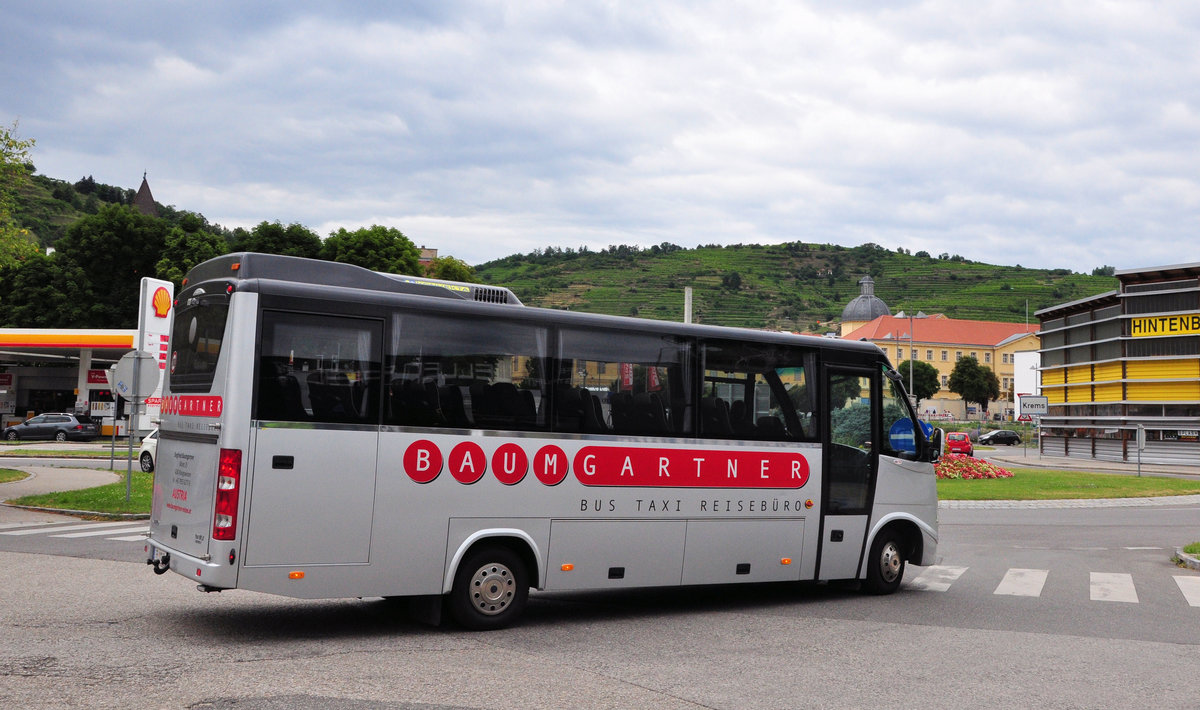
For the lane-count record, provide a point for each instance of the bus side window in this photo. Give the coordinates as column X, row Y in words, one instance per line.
column 319, row 368
column 755, row 391
column 451, row 372
column 623, row 383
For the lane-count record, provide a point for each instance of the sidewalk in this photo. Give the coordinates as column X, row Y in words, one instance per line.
column 49, row 479
column 1033, row 459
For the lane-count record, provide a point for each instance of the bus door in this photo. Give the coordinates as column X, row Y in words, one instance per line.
column 850, row 460
column 316, row 431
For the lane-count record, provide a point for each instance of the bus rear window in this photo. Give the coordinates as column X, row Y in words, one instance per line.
column 195, row 347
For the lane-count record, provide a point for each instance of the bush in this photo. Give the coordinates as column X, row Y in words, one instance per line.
column 968, row 467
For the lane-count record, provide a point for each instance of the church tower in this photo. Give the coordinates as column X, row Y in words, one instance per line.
column 143, row 200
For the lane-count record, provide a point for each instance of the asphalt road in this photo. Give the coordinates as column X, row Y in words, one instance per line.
column 86, row 624
column 1068, row 607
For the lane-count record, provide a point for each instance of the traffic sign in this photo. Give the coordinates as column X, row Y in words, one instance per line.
column 1025, row 418
column 135, row 374
column 1031, row 404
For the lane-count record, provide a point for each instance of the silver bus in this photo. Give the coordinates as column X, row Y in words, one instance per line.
column 330, row 431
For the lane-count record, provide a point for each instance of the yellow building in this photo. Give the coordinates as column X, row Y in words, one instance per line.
column 942, row 342
column 1122, row 360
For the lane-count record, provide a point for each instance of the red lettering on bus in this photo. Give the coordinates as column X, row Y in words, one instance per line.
column 624, row 466
column 550, row 465
column 467, row 462
column 422, row 461
column 509, row 464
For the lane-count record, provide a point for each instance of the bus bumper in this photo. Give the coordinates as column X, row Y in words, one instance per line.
column 209, row 574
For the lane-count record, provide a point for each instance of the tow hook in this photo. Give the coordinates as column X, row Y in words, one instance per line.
column 162, row 565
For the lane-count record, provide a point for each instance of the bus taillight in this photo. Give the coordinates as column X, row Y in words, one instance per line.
column 229, row 476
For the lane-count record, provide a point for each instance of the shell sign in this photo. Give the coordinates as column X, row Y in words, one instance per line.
column 161, row 303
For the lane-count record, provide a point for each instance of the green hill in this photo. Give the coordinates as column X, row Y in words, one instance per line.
column 793, row 287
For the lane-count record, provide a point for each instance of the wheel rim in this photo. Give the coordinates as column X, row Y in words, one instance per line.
column 492, row 588
column 147, row 464
column 890, row 562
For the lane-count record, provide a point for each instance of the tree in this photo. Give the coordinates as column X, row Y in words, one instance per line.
column 112, row 250
column 15, row 243
column 274, row 238
column 974, row 382
column 377, row 248
column 451, row 269
column 924, row 379
column 186, row 248
column 42, row 292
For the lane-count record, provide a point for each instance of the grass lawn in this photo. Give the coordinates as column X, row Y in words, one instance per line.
column 12, row 450
column 7, row 475
column 108, row 499
column 1026, row 484
column 1043, row 484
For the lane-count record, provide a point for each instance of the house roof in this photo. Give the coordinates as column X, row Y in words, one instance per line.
column 940, row 330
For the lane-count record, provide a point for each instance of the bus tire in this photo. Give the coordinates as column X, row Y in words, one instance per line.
column 490, row 589
column 885, row 566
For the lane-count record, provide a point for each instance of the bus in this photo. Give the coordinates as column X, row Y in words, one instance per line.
column 330, row 431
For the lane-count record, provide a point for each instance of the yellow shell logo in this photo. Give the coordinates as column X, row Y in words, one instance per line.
column 161, row 302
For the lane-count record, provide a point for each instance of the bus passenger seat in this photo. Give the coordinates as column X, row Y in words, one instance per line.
column 714, row 418
column 739, row 420
column 771, row 428
column 453, row 410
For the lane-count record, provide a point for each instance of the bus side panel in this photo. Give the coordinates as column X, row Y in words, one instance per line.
column 312, row 494
column 615, row 553
column 724, row 551
column 908, row 489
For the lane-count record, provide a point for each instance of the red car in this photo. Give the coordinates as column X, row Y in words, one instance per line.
column 959, row 442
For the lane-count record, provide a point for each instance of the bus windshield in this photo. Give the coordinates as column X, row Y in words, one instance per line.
column 196, row 346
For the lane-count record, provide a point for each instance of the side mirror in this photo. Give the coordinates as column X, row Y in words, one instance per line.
column 935, row 445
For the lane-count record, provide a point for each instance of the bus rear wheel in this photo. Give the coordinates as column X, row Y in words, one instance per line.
column 490, row 589
column 885, row 568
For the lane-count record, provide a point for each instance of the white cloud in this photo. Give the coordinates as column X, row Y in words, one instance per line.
column 1054, row 135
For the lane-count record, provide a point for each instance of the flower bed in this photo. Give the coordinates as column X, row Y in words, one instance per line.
column 968, row 467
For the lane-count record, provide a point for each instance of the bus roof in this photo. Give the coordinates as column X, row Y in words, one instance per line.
column 294, row 276
column 251, row 265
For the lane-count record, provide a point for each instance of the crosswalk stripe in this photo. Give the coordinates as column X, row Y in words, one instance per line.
column 1023, row 582
column 129, row 538
column 1113, row 587
column 55, row 528
column 6, row 526
column 937, row 578
column 1190, row 586
column 106, row 531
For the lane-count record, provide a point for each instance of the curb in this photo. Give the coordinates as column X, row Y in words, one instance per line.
column 66, row 511
column 1185, row 559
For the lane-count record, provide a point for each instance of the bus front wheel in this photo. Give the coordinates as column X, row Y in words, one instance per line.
column 885, row 567
column 490, row 589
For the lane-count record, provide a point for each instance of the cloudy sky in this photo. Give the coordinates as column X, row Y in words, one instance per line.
column 1049, row 134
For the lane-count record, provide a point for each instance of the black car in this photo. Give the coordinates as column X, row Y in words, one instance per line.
column 1000, row 436
column 55, row 425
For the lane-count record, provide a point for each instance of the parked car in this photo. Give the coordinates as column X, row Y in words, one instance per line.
column 959, row 442
column 1000, row 436
column 148, row 451
column 58, row 426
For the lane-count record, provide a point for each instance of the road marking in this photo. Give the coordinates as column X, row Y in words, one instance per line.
column 54, row 528
column 937, row 578
column 1023, row 582
column 1113, row 587
column 6, row 526
column 106, row 531
column 1142, row 548
column 131, row 538
column 1190, row 586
